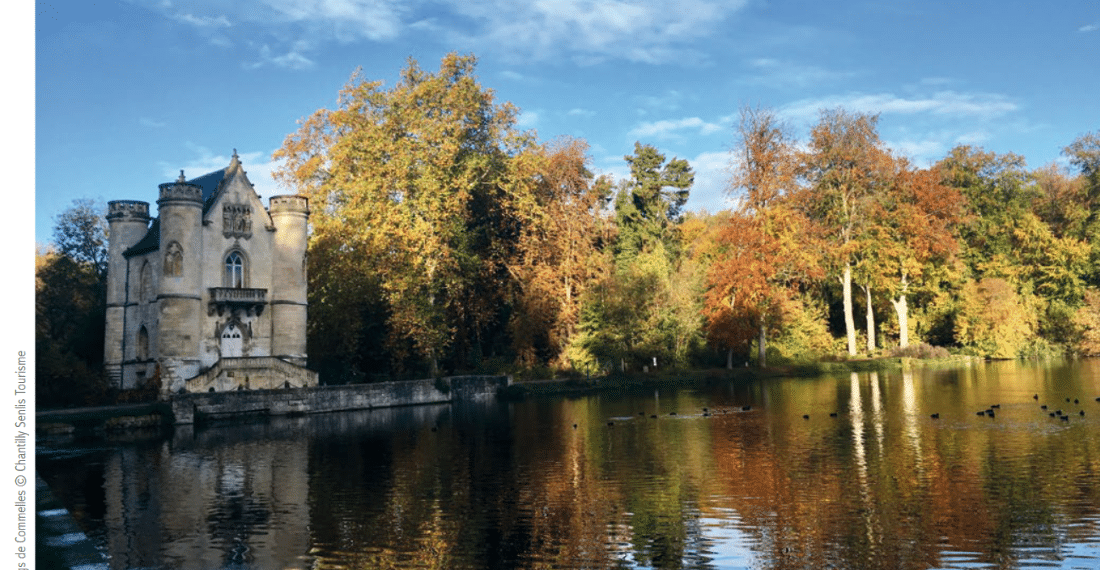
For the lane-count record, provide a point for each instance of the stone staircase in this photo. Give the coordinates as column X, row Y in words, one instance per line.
column 251, row 373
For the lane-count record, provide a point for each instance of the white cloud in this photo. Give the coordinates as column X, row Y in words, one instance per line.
column 527, row 119
column 944, row 103
column 710, row 191
column 152, row 123
column 1089, row 28
column 257, row 164
column 592, row 31
column 290, row 60
column 922, row 152
column 776, row 73
column 666, row 128
column 203, row 21
column 346, row 20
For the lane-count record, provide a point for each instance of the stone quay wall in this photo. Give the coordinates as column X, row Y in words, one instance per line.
column 189, row 408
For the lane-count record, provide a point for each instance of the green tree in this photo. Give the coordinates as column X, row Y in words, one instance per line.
column 409, row 184
column 70, row 308
column 70, row 316
column 649, row 204
column 80, row 232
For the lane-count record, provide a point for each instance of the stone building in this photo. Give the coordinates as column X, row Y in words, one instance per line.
column 211, row 294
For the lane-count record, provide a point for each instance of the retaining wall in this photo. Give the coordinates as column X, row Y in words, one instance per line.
column 187, row 408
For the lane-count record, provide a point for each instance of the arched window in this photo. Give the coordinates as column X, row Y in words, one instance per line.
column 143, row 343
column 146, row 293
column 234, row 270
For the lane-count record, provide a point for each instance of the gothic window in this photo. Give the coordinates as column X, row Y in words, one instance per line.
column 146, row 293
column 173, row 260
column 143, row 343
column 234, row 270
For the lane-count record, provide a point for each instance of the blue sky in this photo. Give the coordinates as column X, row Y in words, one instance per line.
column 128, row 92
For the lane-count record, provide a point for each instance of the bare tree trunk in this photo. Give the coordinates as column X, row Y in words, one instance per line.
column 901, row 307
column 849, row 319
column 729, row 359
column 871, row 344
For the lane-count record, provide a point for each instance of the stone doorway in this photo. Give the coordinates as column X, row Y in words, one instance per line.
column 232, row 346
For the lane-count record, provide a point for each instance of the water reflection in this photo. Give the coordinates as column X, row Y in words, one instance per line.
column 488, row 485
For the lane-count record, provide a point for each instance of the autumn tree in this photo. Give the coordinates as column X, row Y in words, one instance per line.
column 844, row 166
column 1011, row 232
column 562, row 247
column 913, row 225
column 1084, row 155
column 406, row 186
column 767, row 248
column 994, row 320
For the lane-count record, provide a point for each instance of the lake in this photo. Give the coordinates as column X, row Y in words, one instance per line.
column 726, row 475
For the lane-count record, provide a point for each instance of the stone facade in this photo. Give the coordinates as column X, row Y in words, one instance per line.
column 214, row 281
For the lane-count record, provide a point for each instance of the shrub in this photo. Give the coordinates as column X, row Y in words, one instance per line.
column 920, row 350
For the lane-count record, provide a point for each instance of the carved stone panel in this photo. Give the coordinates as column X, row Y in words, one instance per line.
column 173, row 260
column 237, row 220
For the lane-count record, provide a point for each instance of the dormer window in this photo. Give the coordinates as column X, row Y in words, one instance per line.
column 234, row 270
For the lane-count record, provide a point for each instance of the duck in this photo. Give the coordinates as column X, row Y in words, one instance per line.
column 832, row 414
column 936, row 416
column 805, row 416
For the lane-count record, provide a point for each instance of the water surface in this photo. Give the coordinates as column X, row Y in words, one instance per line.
column 599, row 482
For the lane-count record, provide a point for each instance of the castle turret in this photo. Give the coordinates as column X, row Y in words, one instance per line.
column 288, row 294
column 180, row 276
column 128, row 222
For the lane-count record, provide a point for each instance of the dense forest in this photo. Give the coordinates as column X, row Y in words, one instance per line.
column 444, row 239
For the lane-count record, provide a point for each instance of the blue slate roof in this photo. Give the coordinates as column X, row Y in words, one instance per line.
column 151, row 241
column 209, row 183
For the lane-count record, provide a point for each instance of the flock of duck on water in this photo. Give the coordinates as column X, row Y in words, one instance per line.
column 990, row 412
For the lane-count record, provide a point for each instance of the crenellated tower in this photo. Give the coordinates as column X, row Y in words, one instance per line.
column 289, row 214
column 179, row 297
column 128, row 222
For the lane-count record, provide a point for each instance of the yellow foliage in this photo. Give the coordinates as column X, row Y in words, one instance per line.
column 993, row 319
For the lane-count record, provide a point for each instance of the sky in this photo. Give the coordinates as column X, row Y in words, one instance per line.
column 129, row 92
